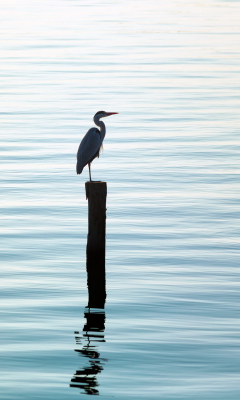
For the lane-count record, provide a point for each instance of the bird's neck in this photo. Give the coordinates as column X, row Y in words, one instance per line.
column 101, row 126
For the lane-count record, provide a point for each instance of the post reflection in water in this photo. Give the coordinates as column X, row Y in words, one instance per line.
column 93, row 331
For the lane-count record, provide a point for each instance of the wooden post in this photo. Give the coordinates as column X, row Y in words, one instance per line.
column 96, row 193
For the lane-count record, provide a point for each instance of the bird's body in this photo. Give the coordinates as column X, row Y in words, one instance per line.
column 89, row 148
column 91, row 143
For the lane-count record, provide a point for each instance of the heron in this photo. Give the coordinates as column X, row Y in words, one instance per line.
column 91, row 143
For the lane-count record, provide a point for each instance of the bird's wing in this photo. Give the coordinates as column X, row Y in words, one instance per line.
column 88, row 147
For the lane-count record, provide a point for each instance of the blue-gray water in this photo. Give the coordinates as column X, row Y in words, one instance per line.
column 171, row 162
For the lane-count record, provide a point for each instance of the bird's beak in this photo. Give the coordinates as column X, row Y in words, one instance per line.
column 108, row 114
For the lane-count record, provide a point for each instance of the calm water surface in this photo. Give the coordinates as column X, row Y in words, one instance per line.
column 171, row 161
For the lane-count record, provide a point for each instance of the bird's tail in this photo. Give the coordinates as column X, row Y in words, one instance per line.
column 78, row 168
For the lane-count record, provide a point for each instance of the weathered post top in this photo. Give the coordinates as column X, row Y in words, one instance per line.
column 95, row 189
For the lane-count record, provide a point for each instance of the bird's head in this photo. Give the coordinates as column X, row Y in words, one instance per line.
column 103, row 114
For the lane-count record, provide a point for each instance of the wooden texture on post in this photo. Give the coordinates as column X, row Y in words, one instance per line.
column 96, row 193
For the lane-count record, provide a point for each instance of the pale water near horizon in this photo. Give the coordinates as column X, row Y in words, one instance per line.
column 171, row 162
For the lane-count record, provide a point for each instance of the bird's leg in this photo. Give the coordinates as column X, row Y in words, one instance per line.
column 89, row 167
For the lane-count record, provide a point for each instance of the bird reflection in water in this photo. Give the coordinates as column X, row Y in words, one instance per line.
column 93, row 330
column 93, row 333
